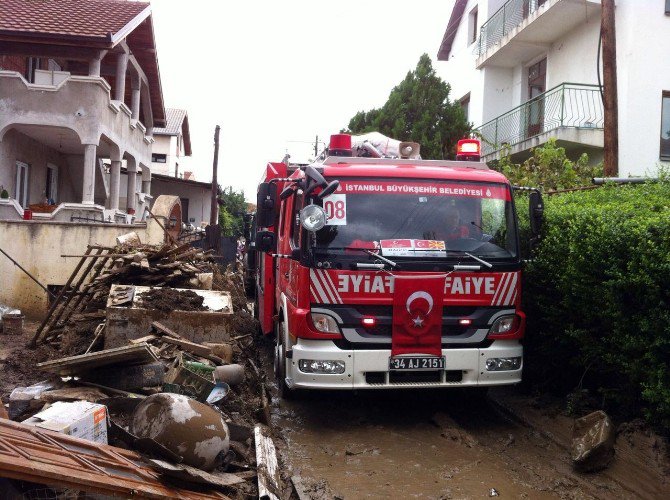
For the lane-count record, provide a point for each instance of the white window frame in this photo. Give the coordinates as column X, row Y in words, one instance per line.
column 53, row 189
column 21, row 189
column 473, row 21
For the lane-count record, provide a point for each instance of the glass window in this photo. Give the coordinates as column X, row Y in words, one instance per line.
column 665, row 127
column 451, row 216
column 295, row 230
column 158, row 158
column 472, row 26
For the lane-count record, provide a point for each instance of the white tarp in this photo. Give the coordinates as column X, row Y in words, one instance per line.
column 385, row 145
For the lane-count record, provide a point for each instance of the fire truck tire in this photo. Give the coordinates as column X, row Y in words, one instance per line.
column 285, row 392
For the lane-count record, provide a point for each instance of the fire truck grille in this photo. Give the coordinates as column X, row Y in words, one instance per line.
column 414, row 378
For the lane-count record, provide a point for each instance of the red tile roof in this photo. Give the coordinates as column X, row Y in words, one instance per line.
column 89, row 19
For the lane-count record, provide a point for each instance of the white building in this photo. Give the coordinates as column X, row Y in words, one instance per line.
column 527, row 70
column 171, row 143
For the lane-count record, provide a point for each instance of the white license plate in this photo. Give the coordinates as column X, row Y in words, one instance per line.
column 417, row 363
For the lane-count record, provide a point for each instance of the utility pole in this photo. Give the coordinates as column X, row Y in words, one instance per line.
column 611, row 105
column 213, row 231
column 214, row 214
column 316, row 147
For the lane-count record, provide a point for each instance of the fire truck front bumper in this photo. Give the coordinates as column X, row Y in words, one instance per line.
column 320, row 364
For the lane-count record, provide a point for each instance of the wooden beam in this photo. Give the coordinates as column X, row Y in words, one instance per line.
column 53, row 51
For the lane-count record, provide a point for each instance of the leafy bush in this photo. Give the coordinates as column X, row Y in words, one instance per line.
column 231, row 212
column 597, row 296
column 549, row 168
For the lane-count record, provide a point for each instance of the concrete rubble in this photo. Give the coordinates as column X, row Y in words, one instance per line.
column 188, row 399
column 592, row 442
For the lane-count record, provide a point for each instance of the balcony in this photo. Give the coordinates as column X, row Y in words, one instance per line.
column 571, row 112
column 523, row 29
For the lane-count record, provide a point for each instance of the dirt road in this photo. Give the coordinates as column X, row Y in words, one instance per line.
column 439, row 444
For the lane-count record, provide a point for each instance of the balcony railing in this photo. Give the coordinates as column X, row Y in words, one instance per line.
column 505, row 19
column 571, row 105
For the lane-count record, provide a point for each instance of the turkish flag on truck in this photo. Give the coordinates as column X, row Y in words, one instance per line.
column 417, row 315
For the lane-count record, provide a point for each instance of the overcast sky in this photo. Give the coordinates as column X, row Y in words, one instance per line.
column 274, row 72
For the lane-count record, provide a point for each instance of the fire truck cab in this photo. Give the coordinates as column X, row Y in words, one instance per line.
column 380, row 270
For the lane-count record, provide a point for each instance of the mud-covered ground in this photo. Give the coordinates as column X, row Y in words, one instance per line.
column 446, row 444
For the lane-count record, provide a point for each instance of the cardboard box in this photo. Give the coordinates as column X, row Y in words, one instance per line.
column 80, row 419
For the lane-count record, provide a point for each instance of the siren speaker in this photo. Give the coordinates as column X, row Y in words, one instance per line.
column 410, row 150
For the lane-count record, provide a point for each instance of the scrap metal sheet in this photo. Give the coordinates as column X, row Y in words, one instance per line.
column 32, row 454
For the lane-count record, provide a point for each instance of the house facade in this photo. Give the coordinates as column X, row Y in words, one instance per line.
column 79, row 83
column 171, row 144
column 528, row 70
column 80, row 97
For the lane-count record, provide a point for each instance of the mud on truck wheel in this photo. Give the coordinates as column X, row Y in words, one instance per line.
column 285, row 392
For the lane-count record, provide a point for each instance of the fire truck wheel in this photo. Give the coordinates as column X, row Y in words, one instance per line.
column 280, row 364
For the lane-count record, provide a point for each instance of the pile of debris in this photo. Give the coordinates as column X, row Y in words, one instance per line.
column 155, row 365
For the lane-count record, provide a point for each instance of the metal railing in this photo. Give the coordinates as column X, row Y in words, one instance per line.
column 505, row 19
column 571, row 105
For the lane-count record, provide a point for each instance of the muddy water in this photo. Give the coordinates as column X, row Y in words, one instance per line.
column 430, row 444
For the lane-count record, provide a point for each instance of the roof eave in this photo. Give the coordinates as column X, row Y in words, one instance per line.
column 444, row 51
column 186, row 134
column 120, row 35
column 38, row 37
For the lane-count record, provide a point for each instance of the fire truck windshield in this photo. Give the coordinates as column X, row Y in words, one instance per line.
column 419, row 220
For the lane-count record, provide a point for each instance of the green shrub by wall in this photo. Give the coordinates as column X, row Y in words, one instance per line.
column 597, row 295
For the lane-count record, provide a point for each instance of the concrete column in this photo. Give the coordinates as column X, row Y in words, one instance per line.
column 115, row 183
column 146, row 180
column 94, row 67
column 135, row 105
column 88, row 186
column 121, row 67
column 131, row 200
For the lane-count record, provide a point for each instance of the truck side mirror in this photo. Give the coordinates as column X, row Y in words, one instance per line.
column 266, row 204
column 265, row 241
column 536, row 212
column 329, row 189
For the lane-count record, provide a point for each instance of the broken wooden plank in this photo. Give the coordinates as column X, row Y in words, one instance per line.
column 162, row 329
column 129, row 378
column 146, row 339
column 267, row 467
column 192, row 347
column 74, row 463
column 99, row 331
column 74, row 365
column 190, row 474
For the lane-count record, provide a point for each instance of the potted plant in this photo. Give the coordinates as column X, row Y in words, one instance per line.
column 3, row 193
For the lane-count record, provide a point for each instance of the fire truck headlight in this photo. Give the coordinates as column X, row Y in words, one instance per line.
column 324, row 323
column 503, row 364
column 321, row 366
column 504, row 324
column 313, row 217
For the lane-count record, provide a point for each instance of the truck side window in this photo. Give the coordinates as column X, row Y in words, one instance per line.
column 295, row 226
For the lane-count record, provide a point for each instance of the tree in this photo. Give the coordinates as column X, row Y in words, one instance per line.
column 418, row 109
column 231, row 212
column 549, row 168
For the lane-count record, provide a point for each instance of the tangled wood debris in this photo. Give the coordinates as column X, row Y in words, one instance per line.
column 210, row 395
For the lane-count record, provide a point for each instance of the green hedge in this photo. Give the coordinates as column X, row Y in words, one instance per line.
column 597, row 295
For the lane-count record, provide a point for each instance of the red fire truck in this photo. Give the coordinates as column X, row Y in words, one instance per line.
column 382, row 272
